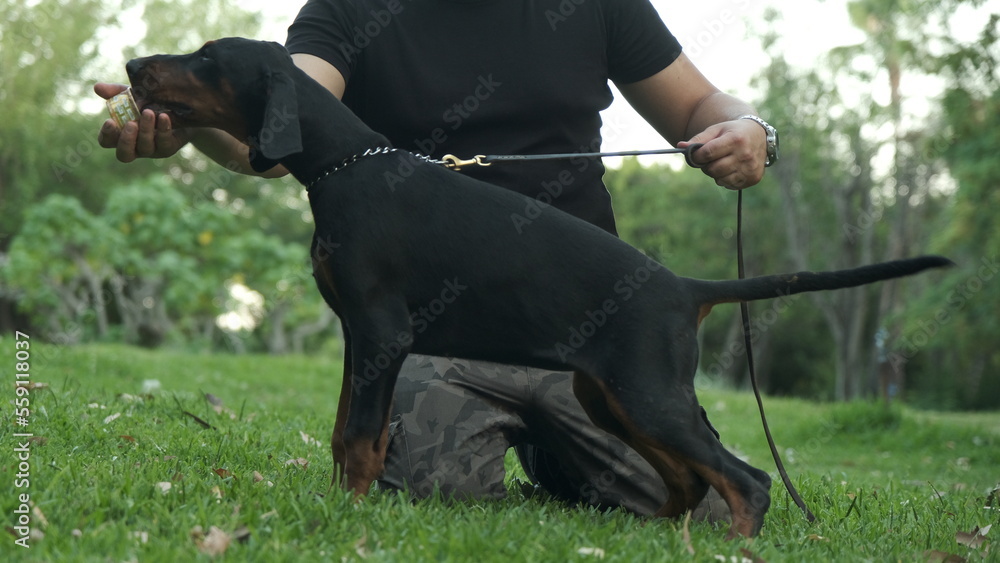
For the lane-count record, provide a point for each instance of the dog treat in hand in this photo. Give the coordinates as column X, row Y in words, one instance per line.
column 122, row 108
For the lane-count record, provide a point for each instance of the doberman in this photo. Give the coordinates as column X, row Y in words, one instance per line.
column 413, row 257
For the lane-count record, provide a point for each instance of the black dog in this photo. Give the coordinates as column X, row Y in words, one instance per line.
column 558, row 293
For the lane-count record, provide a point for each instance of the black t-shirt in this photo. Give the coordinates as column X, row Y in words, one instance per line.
column 470, row 77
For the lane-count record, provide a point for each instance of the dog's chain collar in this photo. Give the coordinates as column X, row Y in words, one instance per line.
column 368, row 152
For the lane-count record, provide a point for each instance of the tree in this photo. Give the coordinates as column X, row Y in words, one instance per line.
column 949, row 339
column 59, row 272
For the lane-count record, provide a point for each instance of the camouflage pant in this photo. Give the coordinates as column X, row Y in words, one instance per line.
column 453, row 421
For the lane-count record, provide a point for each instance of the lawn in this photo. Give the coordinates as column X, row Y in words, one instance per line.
column 171, row 456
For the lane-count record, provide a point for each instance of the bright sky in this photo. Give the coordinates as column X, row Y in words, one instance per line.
column 720, row 36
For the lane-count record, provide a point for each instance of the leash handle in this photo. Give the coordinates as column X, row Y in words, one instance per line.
column 745, row 313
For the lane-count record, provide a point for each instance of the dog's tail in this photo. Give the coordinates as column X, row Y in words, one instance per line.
column 710, row 293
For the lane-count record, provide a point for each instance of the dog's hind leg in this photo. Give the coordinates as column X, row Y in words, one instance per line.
column 677, row 478
column 677, row 432
column 649, row 400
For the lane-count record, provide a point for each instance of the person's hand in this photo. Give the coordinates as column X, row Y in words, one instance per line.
column 733, row 154
column 152, row 136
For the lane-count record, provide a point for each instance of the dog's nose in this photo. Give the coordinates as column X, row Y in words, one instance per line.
column 133, row 67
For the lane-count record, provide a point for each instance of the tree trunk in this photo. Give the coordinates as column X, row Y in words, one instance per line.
column 94, row 285
column 277, row 339
column 304, row 331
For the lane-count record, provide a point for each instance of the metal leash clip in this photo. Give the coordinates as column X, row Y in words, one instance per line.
column 453, row 162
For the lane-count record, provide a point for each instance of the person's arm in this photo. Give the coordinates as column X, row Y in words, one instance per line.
column 684, row 107
column 152, row 136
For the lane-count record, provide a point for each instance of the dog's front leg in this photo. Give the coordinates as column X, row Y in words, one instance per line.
column 343, row 407
column 375, row 366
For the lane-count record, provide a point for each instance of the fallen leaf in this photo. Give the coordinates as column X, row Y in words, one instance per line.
column 39, row 517
column 751, row 556
column 686, row 534
column 221, row 410
column 224, row 473
column 310, row 440
column 816, row 537
column 127, row 438
column 594, row 551
column 164, row 486
column 212, row 399
column 301, row 462
column 257, row 477
column 242, row 534
column 270, row 514
column 933, row 556
column 359, row 546
column 216, row 542
column 973, row 539
column 112, row 417
column 217, row 492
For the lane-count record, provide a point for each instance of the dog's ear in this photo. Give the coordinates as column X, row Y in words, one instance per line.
column 279, row 134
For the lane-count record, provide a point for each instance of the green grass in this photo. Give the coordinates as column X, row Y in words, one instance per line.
column 886, row 485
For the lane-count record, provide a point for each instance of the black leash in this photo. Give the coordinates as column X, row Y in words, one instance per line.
column 745, row 313
column 455, row 163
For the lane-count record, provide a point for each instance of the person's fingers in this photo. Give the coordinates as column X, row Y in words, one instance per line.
column 108, row 90
column 728, row 155
column 733, row 181
column 145, row 144
column 107, row 137
column 125, row 149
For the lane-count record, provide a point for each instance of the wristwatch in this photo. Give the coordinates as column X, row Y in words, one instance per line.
column 772, row 138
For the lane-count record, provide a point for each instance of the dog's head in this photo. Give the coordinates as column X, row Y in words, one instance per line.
column 238, row 85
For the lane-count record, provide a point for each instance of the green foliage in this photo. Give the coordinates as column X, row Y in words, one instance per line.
column 860, row 417
column 948, row 341
column 679, row 217
column 153, row 263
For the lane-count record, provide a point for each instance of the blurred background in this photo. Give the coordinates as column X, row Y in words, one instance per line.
column 889, row 114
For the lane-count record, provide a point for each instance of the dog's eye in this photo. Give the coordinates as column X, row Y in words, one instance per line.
column 205, row 59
